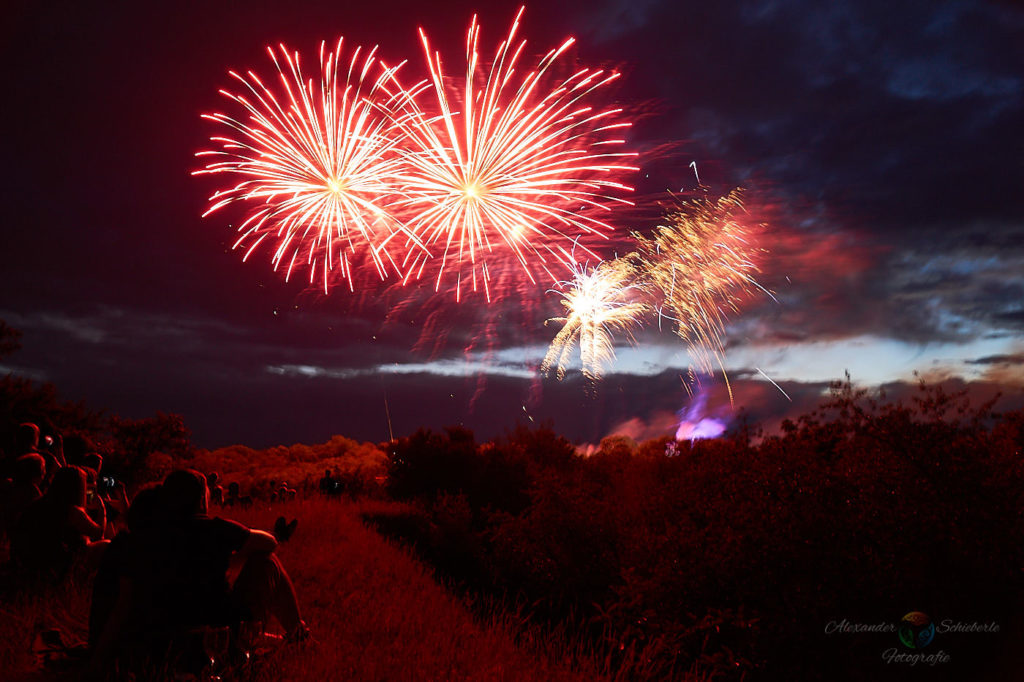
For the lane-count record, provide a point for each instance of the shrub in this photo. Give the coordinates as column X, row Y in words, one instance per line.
column 735, row 552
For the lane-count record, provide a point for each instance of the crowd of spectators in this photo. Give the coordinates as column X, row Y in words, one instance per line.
column 163, row 570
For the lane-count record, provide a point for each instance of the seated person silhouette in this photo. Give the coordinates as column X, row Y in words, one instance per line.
column 24, row 489
column 27, row 442
column 141, row 515
column 55, row 529
column 174, row 578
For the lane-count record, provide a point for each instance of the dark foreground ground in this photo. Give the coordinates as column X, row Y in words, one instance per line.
column 375, row 610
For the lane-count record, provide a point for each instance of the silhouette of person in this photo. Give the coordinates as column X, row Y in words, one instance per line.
column 112, row 494
column 26, row 439
column 57, row 527
column 327, row 483
column 76, row 447
column 216, row 490
column 141, row 515
column 234, row 492
column 94, row 461
column 27, row 442
column 24, row 489
column 177, row 575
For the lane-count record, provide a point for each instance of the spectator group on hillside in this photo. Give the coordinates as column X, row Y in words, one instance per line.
column 163, row 570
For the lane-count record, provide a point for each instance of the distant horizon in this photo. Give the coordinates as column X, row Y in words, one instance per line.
column 879, row 147
column 584, row 420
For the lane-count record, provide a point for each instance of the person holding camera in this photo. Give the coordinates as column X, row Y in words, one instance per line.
column 110, row 491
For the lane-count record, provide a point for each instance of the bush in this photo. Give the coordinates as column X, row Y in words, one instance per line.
column 736, row 553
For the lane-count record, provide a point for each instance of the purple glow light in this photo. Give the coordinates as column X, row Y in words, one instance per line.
column 695, row 424
column 705, row 428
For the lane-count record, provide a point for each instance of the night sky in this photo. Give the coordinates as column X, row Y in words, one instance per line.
column 881, row 142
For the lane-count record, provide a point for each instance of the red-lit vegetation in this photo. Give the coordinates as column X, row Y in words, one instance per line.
column 732, row 555
column 358, row 467
column 724, row 559
column 376, row 612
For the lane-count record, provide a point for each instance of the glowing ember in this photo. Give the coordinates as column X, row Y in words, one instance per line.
column 702, row 266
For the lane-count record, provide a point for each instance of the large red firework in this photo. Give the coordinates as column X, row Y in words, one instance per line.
column 501, row 166
column 317, row 163
column 497, row 172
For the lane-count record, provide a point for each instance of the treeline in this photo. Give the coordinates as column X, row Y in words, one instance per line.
column 357, row 469
column 139, row 450
column 732, row 555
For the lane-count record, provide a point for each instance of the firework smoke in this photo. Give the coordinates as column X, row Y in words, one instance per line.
column 694, row 422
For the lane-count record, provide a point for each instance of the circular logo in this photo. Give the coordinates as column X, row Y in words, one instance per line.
column 916, row 630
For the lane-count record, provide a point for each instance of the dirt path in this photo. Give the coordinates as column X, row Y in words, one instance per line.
column 376, row 612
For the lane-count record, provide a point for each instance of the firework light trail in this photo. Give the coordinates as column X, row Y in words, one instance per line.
column 597, row 302
column 701, row 264
column 517, row 169
column 492, row 179
column 316, row 162
column 693, row 271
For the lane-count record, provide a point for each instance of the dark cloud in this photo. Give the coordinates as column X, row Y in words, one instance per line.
column 1015, row 359
column 881, row 143
column 866, row 105
column 893, row 127
column 1013, row 317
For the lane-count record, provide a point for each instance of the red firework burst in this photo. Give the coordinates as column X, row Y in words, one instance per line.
column 519, row 168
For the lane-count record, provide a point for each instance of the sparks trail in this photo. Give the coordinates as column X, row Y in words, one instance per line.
column 517, row 167
column 316, row 163
column 761, row 372
column 597, row 301
column 693, row 271
column 700, row 266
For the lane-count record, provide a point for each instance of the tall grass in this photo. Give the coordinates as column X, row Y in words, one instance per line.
column 376, row 613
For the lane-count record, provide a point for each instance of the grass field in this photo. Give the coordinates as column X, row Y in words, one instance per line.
column 376, row 613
